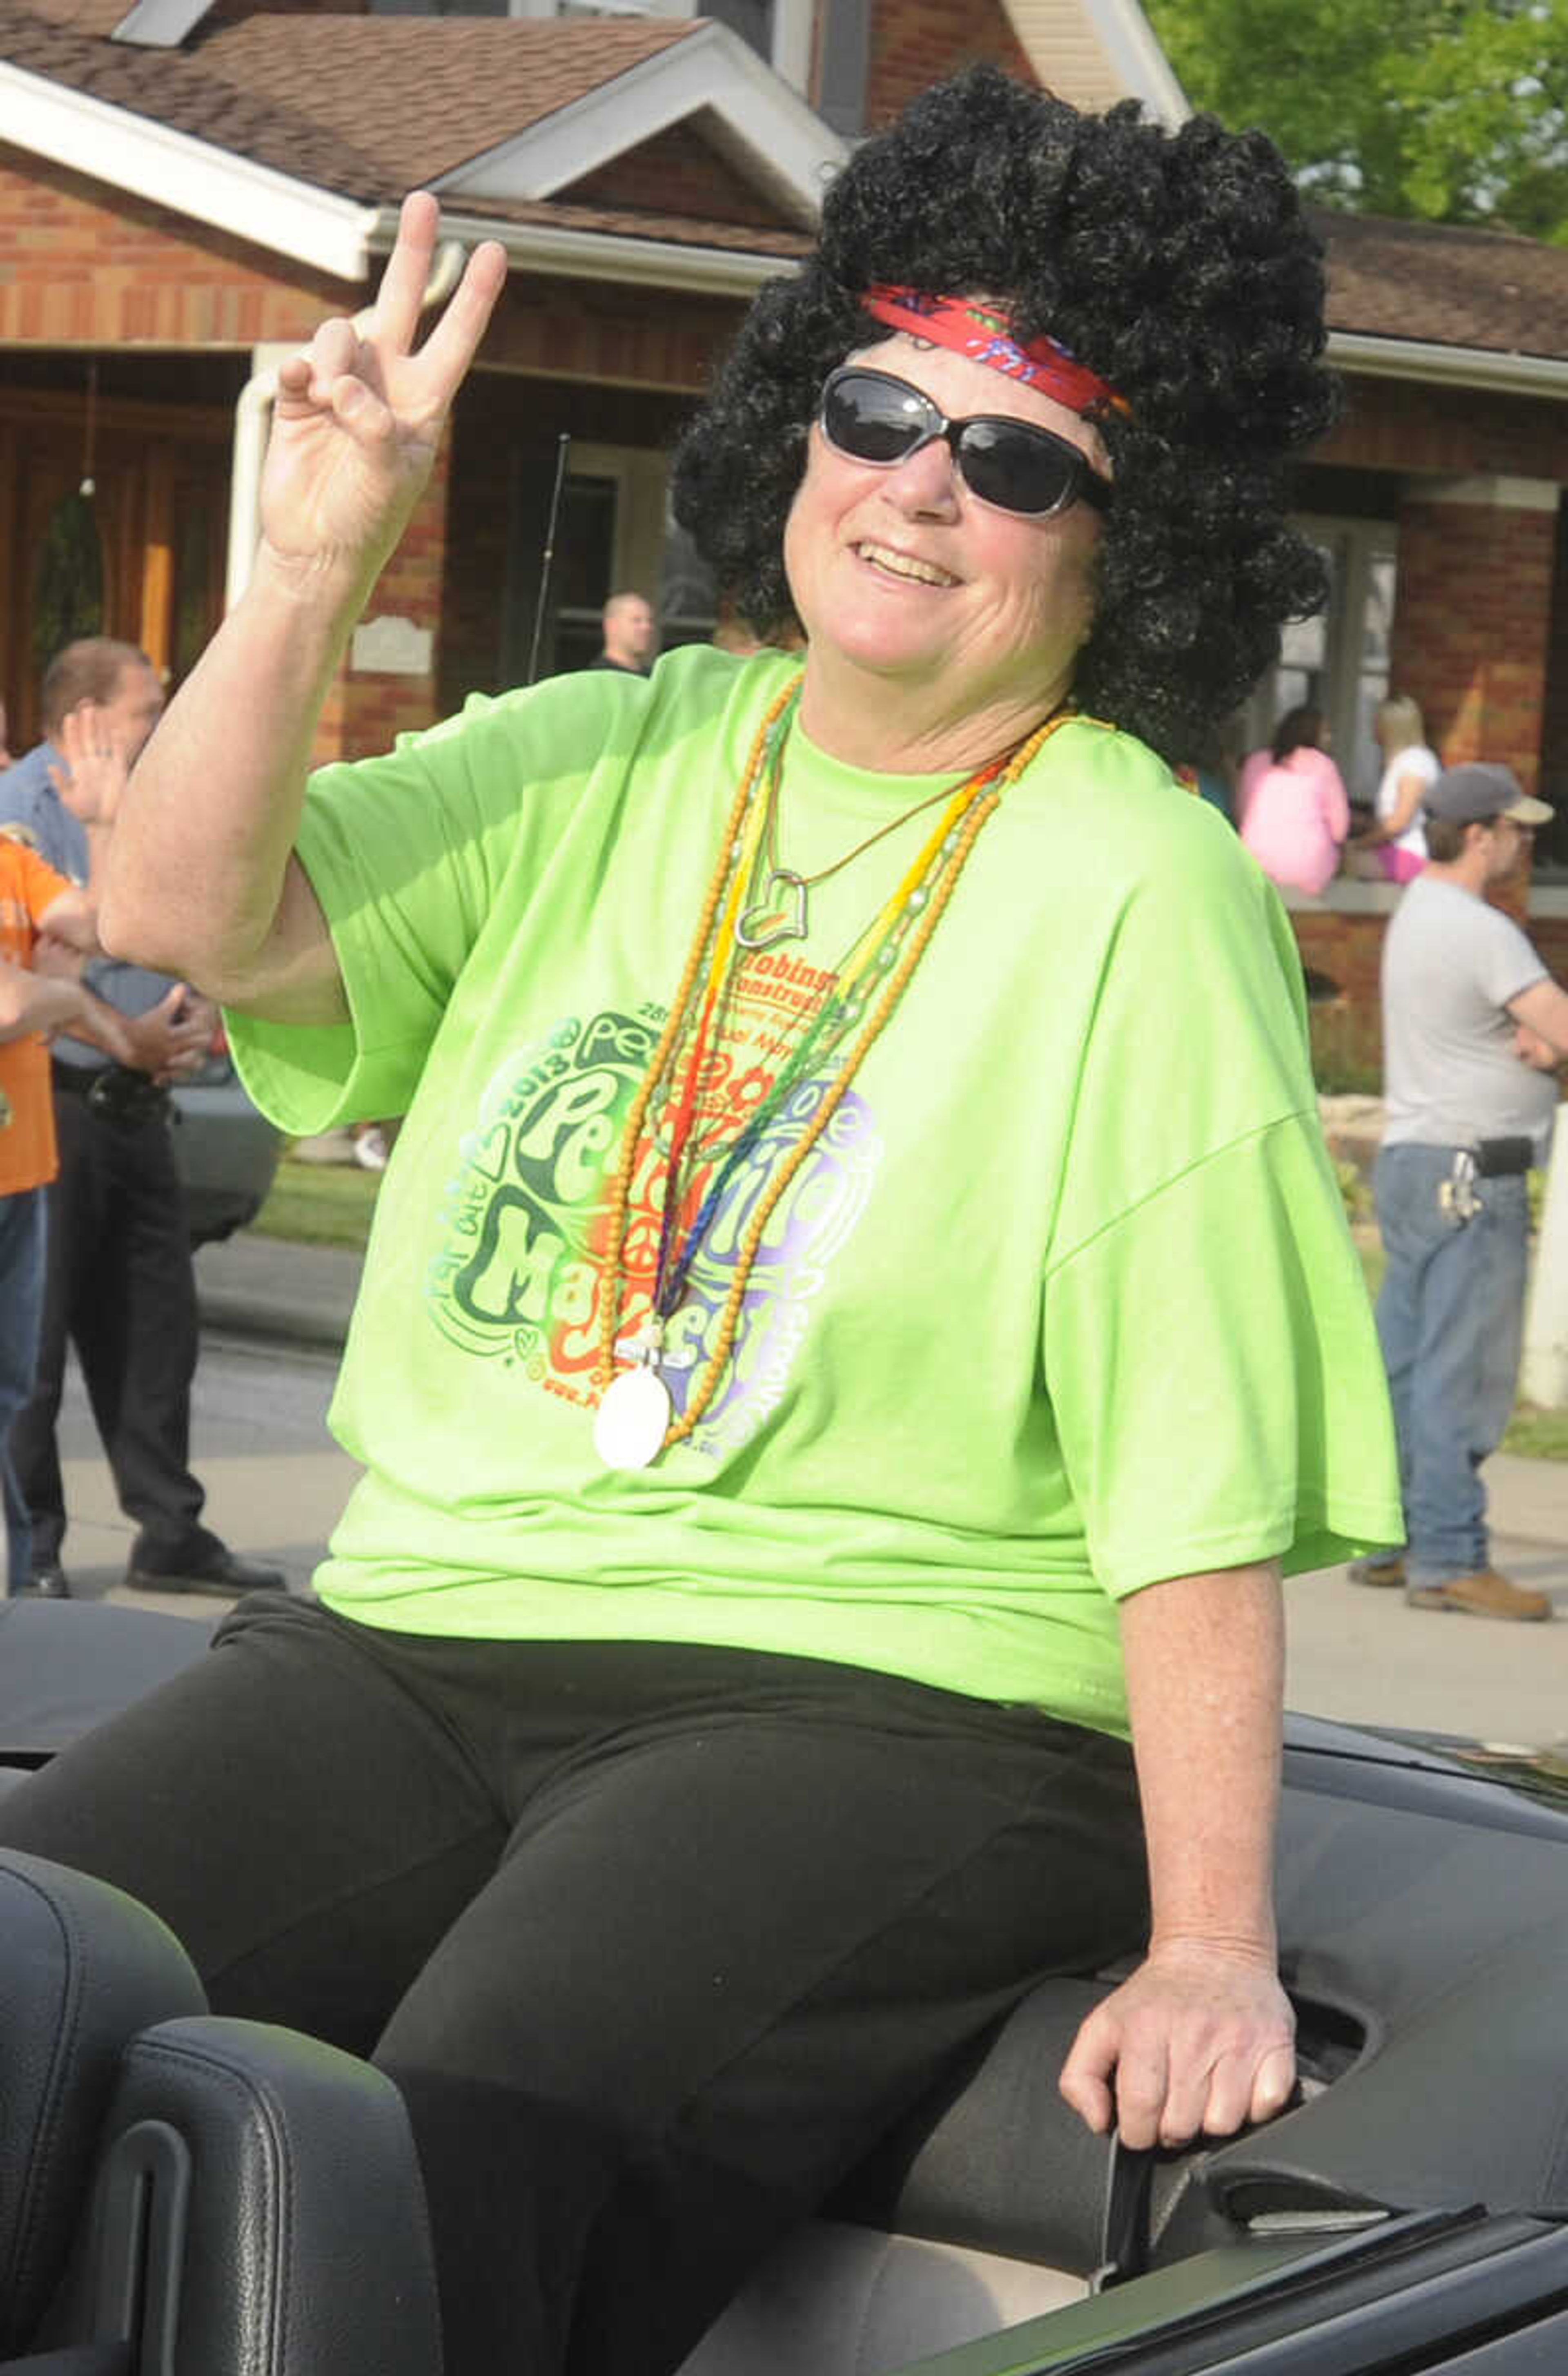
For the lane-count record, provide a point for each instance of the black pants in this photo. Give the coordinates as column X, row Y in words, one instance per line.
column 655, row 1939
column 120, row 1287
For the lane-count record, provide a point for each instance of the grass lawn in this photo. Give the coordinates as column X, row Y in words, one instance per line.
column 1540, row 1434
column 319, row 1204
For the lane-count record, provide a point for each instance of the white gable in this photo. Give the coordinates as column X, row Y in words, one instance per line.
column 770, row 134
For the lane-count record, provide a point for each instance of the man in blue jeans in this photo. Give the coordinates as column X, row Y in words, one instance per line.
column 1474, row 1028
column 118, row 1281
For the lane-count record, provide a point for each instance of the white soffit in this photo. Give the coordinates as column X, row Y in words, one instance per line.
column 190, row 177
column 1093, row 52
column 768, row 132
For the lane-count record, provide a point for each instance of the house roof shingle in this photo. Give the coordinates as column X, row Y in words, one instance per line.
column 367, row 107
column 331, row 100
column 1445, row 285
column 87, row 17
column 185, row 95
column 621, row 222
column 422, row 95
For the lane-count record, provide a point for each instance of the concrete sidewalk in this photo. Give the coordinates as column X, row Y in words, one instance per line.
column 1362, row 1655
column 1354, row 1653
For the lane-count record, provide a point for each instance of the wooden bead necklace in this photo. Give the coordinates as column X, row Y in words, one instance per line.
column 635, row 1418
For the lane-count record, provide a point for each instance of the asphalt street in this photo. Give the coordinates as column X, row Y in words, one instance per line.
column 273, row 1315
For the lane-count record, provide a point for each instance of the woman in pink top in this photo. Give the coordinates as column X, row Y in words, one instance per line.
column 1291, row 807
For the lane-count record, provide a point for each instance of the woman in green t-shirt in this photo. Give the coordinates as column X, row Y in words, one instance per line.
column 837, row 1354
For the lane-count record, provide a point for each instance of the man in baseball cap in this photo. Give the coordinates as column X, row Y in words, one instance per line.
column 1479, row 792
column 1473, row 1029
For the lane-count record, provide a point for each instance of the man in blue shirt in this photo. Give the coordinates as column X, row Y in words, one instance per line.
column 120, row 1285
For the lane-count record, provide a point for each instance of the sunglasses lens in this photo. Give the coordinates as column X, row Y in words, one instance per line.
column 1022, row 469
column 871, row 417
column 874, row 420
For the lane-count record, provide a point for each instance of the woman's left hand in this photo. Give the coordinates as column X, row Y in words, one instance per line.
column 1201, row 2039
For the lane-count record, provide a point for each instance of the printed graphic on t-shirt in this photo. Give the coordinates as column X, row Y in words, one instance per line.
column 520, row 1274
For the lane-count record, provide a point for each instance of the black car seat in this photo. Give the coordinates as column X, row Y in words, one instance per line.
column 181, row 2194
column 82, row 1970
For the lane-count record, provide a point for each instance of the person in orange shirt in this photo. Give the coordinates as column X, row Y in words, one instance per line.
column 46, row 924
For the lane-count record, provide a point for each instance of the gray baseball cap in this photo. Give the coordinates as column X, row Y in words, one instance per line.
column 1479, row 789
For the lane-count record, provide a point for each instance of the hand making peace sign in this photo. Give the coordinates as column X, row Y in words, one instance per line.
column 358, row 417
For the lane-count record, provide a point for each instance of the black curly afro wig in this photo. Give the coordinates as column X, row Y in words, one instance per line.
column 1176, row 265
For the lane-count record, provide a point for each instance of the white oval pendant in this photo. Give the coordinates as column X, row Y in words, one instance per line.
column 633, row 1412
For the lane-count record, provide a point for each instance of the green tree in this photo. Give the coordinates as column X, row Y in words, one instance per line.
column 1452, row 111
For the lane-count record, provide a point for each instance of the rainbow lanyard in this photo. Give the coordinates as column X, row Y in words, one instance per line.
column 876, row 948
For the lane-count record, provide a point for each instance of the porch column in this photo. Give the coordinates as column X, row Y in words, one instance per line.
column 253, row 422
column 1473, row 615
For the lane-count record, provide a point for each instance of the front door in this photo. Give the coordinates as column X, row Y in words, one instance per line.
column 112, row 521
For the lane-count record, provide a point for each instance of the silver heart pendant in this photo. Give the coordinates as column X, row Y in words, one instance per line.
column 778, row 915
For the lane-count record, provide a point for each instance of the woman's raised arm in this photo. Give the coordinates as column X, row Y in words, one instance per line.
column 201, row 880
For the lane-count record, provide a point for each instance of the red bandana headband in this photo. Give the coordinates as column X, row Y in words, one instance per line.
column 986, row 338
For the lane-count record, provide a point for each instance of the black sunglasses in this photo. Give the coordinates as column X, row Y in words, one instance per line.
column 869, row 416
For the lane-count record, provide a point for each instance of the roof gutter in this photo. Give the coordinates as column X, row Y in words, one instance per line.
column 1477, row 367
column 607, row 256
column 735, row 272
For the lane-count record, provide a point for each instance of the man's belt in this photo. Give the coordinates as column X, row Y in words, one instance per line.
column 1499, row 1158
column 115, row 1093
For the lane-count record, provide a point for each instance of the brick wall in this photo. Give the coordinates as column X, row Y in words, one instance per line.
column 595, row 331
column 1346, row 951
column 679, row 172
column 366, row 709
column 1471, row 630
column 78, row 269
column 1552, row 784
column 1462, row 433
column 914, row 42
column 1550, row 935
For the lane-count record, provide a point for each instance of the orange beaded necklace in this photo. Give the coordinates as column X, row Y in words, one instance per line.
column 635, row 1418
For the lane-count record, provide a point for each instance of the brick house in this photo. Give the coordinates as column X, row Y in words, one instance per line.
column 187, row 188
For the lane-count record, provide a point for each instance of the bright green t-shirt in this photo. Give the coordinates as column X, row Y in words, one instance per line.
column 1062, row 1302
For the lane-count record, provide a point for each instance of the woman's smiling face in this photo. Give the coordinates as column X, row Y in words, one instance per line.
column 915, row 595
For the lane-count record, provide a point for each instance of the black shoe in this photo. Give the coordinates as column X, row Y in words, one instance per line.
column 48, row 1583
column 218, row 1571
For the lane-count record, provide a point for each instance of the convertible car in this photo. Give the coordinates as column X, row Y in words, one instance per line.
column 187, row 2195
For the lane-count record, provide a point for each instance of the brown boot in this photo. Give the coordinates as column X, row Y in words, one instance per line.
column 1485, row 1594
